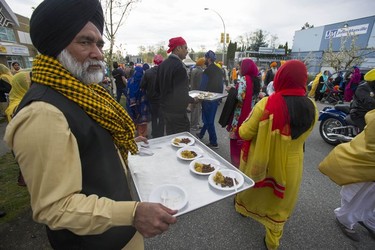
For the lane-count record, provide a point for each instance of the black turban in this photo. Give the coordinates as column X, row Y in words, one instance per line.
column 55, row 23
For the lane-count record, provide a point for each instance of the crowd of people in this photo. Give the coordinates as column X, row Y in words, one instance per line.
column 64, row 124
column 344, row 84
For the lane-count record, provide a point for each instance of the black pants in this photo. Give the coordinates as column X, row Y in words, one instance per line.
column 359, row 122
column 318, row 94
column 157, row 121
column 176, row 123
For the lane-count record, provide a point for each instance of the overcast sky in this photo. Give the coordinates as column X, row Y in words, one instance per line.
column 154, row 22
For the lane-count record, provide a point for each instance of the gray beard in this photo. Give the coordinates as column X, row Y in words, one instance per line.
column 80, row 70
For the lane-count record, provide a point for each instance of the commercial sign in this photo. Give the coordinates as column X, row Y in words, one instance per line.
column 18, row 50
column 349, row 31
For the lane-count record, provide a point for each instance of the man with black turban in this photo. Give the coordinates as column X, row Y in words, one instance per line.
column 71, row 138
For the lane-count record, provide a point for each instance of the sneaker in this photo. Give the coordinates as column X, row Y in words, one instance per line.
column 212, row 145
column 198, row 135
column 350, row 233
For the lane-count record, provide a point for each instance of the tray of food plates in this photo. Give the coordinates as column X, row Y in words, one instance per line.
column 181, row 172
column 207, row 96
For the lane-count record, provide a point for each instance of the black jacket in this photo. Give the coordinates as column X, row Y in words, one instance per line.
column 117, row 74
column 228, row 109
column 148, row 83
column 5, row 87
column 269, row 77
column 363, row 100
column 172, row 85
column 212, row 79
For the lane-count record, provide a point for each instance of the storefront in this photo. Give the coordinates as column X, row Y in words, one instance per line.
column 10, row 52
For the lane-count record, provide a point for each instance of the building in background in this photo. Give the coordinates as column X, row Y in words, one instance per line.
column 263, row 57
column 313, row 42
column 15, row 42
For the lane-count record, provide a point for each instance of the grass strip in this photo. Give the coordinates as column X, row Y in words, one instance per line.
column 14, row 199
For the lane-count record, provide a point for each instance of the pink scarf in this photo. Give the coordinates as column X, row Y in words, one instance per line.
column 248, row 70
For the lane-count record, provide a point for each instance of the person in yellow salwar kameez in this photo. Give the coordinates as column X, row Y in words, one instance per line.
column 352, row 166
column 5, row 86
column 272, row 155
column 20, row 85
column 314, row 85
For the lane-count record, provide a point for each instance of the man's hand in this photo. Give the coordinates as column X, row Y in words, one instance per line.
column 141, row 139
column 152, row 219
column 227, row 88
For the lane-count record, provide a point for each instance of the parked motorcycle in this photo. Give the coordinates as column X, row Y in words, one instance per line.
column 335, row 124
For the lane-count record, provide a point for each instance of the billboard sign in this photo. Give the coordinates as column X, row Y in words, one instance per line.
column 353, row 30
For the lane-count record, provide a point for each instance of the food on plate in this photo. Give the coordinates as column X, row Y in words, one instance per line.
column 188, row 154
column 177, row 141
column 205, row 95
column 224, row 181
column 203, row 168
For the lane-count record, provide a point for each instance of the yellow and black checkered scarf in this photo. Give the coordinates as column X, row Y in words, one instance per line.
column 93, row 99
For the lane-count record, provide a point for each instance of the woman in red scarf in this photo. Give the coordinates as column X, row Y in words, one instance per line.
column 272, row 154
column 247, row 91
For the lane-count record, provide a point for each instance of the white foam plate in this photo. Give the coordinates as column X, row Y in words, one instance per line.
column 171, row 196
column 179, row 144
column 214, row 163
column 226, row 173
column 197, row 150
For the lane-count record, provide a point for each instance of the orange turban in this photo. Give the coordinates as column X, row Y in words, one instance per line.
column 273, row 64
column 200, row 61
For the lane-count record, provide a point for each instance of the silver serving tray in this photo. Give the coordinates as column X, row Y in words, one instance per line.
column 207, row 96
column 164, row 167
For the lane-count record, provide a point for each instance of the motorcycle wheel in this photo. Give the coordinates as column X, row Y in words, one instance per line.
column 326, row 127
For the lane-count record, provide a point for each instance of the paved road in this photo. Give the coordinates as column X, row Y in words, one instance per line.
column 312, row 225
column 218, row 226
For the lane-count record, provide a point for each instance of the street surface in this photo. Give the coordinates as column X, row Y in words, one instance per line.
column 311, row 226
column 218, row 226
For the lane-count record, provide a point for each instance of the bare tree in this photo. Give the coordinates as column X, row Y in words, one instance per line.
column 273, row 40
column 115, row 14
column 347, row 56
column 241, row 43
column 248, row 39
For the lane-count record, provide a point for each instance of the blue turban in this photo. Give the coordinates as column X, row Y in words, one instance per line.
column 145, row 66
column 210, row 54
